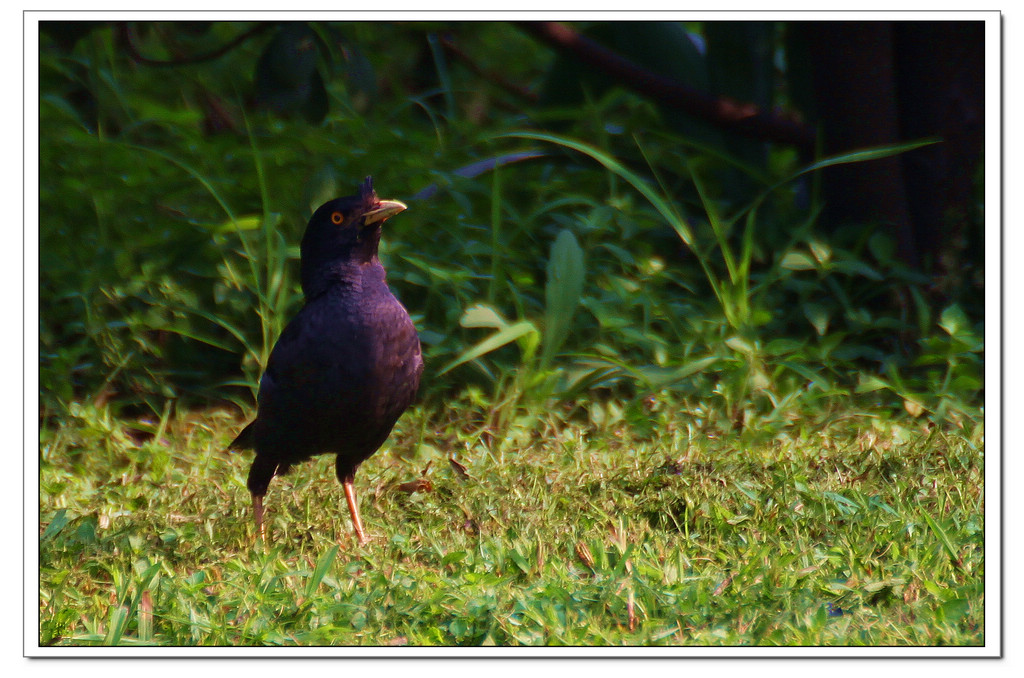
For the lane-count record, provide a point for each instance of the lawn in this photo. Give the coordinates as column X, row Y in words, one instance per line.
column 552, row 530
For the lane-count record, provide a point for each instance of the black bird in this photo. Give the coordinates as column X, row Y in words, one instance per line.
column 347, row 366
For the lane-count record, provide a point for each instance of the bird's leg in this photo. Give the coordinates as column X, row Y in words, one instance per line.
column 257, row 511
column 350, row 495
column 263, row 469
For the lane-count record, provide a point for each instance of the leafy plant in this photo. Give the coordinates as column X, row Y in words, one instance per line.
column 526, row 269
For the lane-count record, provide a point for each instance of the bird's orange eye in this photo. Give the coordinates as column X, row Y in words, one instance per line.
column 337, row 218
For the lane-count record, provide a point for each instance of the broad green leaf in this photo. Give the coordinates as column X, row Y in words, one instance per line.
column 798, row 261
column 818, row 316
column 803, row 370
column 783, row 346
column 857, row 268
column 871, row 383
column 821, row 251
column 563, row 291
column 115, row 625
column 740, row 345
column 57, row 523
column 953, row 320
column 661, row 377
column 495, row 341
column 954, row 609
column 481, row 315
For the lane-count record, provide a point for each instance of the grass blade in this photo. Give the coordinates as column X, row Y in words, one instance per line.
column 323, row 564
column 664, row 207
column 947, row 543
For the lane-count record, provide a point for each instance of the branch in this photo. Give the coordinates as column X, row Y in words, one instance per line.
column 127, row 37
column 490, row 76
column 736, row 116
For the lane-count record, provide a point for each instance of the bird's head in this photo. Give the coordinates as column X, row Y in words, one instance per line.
column 343, row 234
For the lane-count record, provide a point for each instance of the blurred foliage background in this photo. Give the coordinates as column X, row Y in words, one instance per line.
column 756, row 222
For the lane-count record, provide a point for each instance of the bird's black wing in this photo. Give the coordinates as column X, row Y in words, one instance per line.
column 398, row 363
column 246, row 439
column 312, row 393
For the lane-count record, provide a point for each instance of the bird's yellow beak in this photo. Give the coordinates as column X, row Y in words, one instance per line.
column 386, row 209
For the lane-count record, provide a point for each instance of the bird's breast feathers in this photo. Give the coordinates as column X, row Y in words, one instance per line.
column 339, row 346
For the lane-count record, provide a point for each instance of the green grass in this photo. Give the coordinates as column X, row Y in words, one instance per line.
column 634, row 530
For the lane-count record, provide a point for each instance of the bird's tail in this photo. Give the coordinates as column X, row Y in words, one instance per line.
column 246, row 440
